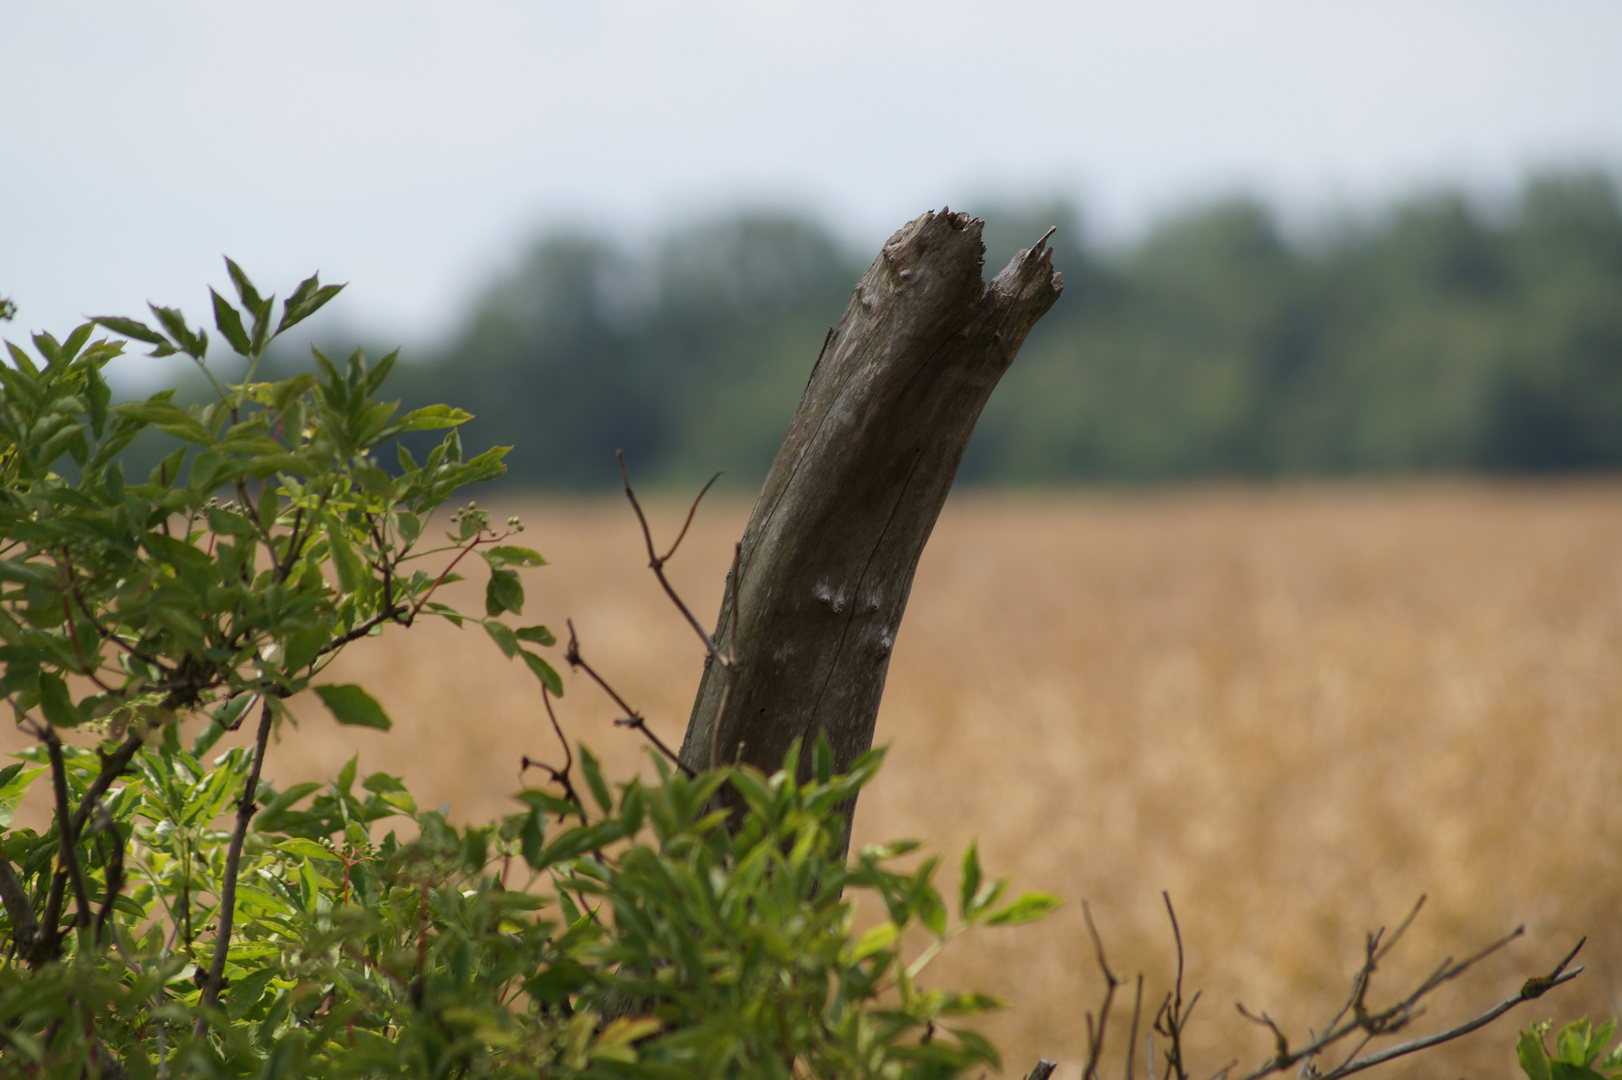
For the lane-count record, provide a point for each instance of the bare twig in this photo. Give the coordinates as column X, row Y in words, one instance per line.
column 559, row 776
column 1531, row 989
column 1172, row 1017
column 1095, row 1033
column 632, row 718
column 1367, row 1025
column 246, row 808
column 656, row 562
column 1132, row 1039
column 1044, row 1069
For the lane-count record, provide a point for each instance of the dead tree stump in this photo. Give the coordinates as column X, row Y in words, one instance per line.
column 827, row 560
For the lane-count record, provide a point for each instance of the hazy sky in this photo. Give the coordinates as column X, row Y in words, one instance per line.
column 410, row 148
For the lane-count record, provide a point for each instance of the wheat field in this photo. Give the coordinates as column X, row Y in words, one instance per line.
column 1295, row 710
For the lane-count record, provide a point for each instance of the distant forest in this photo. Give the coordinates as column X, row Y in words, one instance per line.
column 1438, row 334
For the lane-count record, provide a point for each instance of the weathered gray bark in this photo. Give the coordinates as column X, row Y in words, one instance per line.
column 827, row 559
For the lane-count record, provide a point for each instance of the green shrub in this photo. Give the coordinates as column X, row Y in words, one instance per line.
column 1577, row 1052
column 180, row 917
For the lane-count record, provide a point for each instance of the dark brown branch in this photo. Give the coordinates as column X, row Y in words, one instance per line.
column 246, row 808
column 1530, row 990
column 387, row 615
column 478, row 538
column 1370, row 1025
column 69, row 835
column 1132, row 1039
column 112, row 767
column 656, row 562
column 285, row 567
column 1095, row 1033
column 1172, row 1018
column 559, row 777
column 1044, row 1069
column 632, row 718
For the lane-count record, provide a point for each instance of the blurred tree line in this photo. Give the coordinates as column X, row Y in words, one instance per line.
column 1436, row 335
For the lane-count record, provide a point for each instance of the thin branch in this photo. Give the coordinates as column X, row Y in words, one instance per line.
column 1281, row 1044
column 285, row 566
column 656, row 562
column 69, row 835
column 1402, row 928
column 112, row 767
column 246, row 808
column 632, row 718
column 1132, row 1040
column 560, row 777
column 1394, row 1018
column 1172, row 1017
column 691, row 510
column 478, row 538
column 1555, row 978
column 387, row 615
column 1095, row 1034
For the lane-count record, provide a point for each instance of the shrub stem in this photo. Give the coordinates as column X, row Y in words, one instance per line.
column 233, row 859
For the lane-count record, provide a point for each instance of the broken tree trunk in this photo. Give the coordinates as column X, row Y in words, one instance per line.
column 827, row 560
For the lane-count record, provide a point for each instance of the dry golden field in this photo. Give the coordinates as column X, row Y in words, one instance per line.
column 1295, row 709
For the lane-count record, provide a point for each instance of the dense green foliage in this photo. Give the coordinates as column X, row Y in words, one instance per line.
column 1579, row 1052
column 180, row 917
column 1435, row 335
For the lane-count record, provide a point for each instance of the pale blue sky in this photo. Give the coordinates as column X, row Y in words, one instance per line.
column 410, row 148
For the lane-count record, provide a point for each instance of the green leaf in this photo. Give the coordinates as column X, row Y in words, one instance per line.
column 1028, row 908
column 306, row 300
column 351, row 571
column 306, row 849
column 594, row 780
column 301, row 648
column 246, row 990
column 167, row 471
column 130, row 329
column 409, row 525
column 230, row 324
column 544, row 672
column 875, row 940
column 24, row 573
column 977, row 1046
column 556, row 982
column 14, row 783
column 245, row 290
column 194, row 345
column 346, row 775
column 502, row 635
column 351, row 705
column 538, row 635
column 504, row 593
column 432, row 418
column 509, row 555
column 309, row 886
column 969, row 885
column 283, row 800
column 57, row 703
